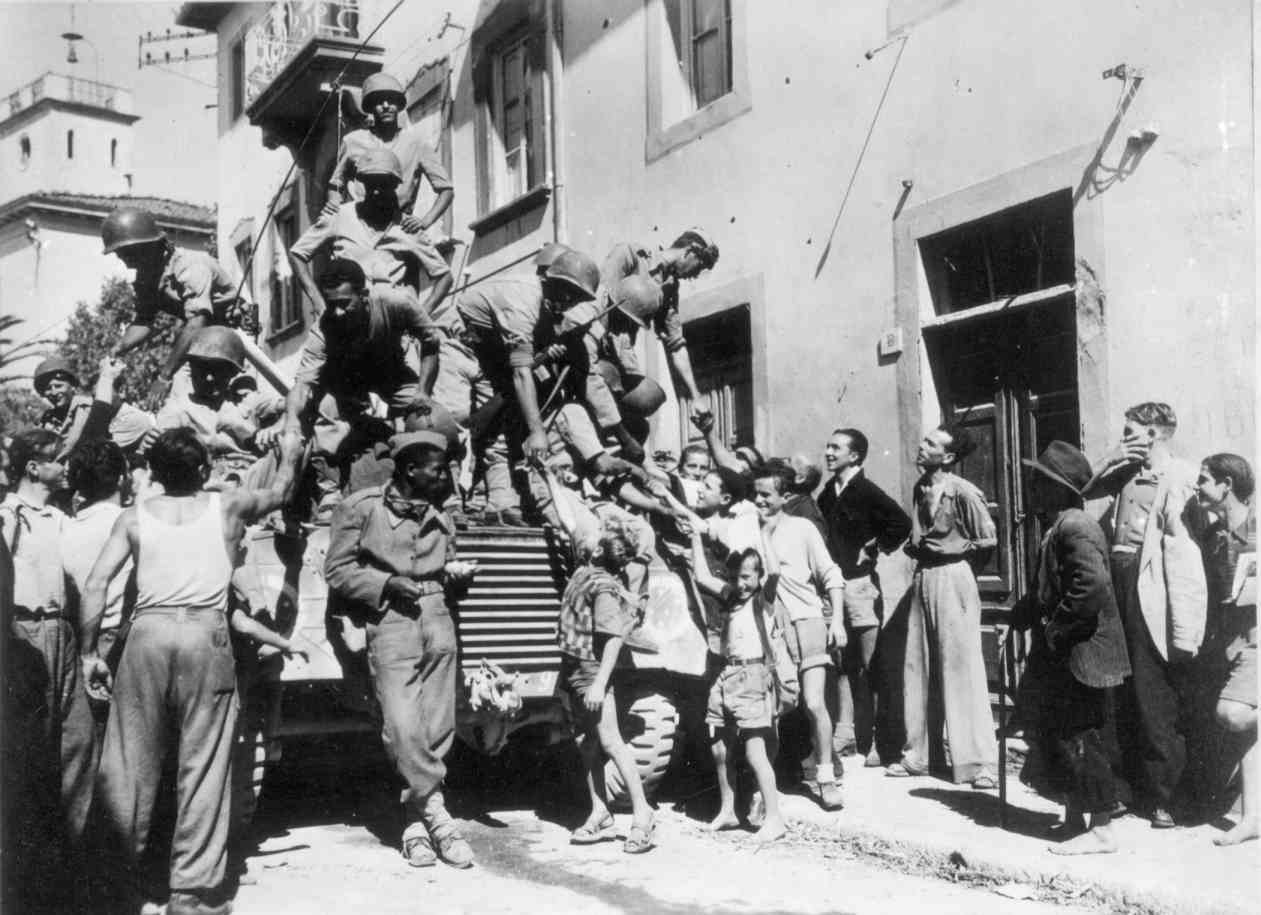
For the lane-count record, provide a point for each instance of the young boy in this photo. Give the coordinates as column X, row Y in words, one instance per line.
column 742, row 699
column 693, row 467
column 597, row 613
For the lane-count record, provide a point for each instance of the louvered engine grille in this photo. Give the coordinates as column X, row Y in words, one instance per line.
column 509, row 614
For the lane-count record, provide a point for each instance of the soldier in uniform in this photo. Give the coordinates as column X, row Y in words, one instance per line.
column 67, row 414
column 191, row 286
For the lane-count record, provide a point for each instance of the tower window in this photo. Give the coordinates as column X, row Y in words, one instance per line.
column 113, row 153
column 24, row 150
column 69, row 144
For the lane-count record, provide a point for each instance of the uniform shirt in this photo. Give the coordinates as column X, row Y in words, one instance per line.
column 957, row 525
column 376, row 534
column 388, row 255
column 356, row 361
column 126, row 427
column 627, row 260
column 223, row 430
column 33, row 535
column 1134, row 508
column 595, row 603
column 794, row 550
column 505, row 320
column 191, row 283
column 414, row 154
column 82, row 538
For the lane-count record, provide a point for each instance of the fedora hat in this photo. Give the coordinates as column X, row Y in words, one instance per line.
column 1064, row 464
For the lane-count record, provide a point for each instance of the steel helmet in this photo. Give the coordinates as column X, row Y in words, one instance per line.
column 577, row 271
column 379, row 162
column 699, row 241
column 129, row 226
column 548, row 253
column 219, row 344
column 54, row 365
column 382, row 84
column 637, row 297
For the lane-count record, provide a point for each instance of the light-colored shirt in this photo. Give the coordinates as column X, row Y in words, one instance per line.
column 794, row 549
column 82, row 538
column 951, row 521
column 388, row 255
column 182, row 565
column 1134, row 508
column 737, row 529
column 33, row 534
column 740, row 638
column 415, row 155
column 505, row 314
column 191, row 283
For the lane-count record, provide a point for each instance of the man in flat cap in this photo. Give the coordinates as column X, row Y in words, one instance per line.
column 391, row 555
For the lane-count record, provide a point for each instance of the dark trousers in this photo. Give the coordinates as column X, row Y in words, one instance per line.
column 1148, row 724
column 176, row 678
column 413, row 662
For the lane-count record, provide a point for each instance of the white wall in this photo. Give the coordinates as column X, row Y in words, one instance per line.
column 89, row 172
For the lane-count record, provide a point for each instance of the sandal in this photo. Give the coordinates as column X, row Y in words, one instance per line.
column 639, row 840
column 588, row 834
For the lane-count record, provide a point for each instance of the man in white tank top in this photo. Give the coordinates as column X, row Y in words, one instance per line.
column 177, row 671
column 391, row 551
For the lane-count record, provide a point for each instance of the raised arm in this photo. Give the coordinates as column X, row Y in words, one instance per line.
column 252, row 504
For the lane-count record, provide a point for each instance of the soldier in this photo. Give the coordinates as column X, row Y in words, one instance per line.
column 67, row 415
column 371, row 232
column 177, row 667
column 691, row 254
column 383, row 98
column 392, row 552
column 191, row 286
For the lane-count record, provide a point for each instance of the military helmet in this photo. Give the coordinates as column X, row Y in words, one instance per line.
column 699, row 241
column 129, row 226
column 50, row 367
column 382, row 84
column 576, row 270
column 637, row 297
column 548, row 253
column 218, row 344
column 379, row 162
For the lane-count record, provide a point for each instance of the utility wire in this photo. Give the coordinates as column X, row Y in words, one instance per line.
column 861, row 153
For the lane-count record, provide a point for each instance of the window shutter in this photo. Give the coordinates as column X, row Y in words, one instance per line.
column 536, row 130
column 483, row 74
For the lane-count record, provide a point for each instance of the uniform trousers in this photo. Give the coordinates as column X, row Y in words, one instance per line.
column 944, row 674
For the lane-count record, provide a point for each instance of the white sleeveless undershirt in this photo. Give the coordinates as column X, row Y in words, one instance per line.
column 182, row 565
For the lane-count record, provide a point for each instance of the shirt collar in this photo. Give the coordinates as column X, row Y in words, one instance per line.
column 846, row 476
column 425, row 513
column 15, row 501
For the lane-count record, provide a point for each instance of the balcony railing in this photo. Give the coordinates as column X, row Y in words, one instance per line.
column 285, row 30
column 70, row 89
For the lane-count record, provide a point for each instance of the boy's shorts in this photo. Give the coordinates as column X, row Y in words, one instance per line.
column 862, row 599
column 742, row 695
column 808, row 643
column 576, row 675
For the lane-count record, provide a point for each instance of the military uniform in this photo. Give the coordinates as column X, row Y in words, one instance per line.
column 191, row 283
column 414, row 154
column 389, row 256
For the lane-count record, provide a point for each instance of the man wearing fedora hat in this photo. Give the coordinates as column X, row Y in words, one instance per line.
column 391, row 555
column 1078, row 654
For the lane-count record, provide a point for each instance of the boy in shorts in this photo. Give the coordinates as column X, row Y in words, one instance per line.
column 742, row 698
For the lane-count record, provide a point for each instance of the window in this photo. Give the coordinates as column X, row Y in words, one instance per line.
column 1021, row 250
column 512, row 158
column 721, row 349
column 286, row 295
column 69, row 144
column 113, row 153
column 697, row 77
column 24, row 151
column 236, row 81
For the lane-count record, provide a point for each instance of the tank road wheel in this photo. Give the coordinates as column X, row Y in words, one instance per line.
column 649, row 722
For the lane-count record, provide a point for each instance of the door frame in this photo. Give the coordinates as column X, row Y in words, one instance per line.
column 917, row 410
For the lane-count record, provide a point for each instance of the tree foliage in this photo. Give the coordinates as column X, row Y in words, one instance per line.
column 13, row 352
column 94, row 331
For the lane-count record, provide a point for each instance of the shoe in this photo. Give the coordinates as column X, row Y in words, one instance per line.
column 444, row 834
column 453, row 849
column 849, row 749
column 873, row 759
column 1162, row 819
column 984, row 782
column 418, row 851
column 587, row 834
column 901, row 770
column 830, row 797
column 639, row 840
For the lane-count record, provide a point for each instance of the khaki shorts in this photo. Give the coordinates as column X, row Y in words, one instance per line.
column 808, row 643
column 862, row 602
column 743, row 697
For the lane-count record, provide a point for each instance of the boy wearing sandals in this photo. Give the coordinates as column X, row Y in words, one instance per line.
column 742, row 698
column 597, row 613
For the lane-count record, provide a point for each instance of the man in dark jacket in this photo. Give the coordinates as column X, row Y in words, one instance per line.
column 862, row 521
column 1078, row 654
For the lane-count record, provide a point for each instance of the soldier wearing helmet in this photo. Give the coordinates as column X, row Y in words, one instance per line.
column 70, row 413
column 370, row 232
column 215, row 357
column 384, row 100
column 690, row 255
column 188, row 285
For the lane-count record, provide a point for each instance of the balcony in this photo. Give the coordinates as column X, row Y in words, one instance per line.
column 297, row 46
column 73, row 90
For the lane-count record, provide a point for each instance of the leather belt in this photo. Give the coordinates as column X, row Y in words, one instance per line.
column 743, row 662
